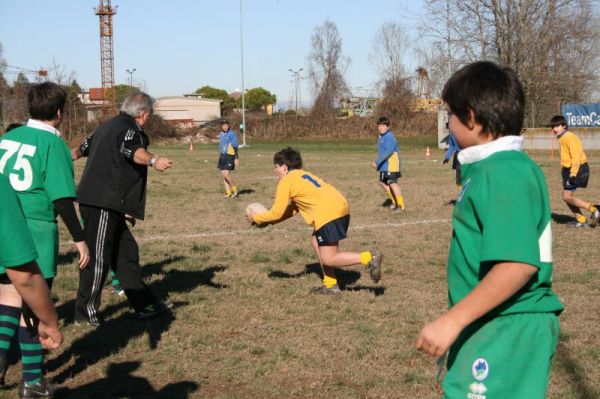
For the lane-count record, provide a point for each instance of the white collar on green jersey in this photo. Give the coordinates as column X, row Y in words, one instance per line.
column 34, row 123
column 482, row 151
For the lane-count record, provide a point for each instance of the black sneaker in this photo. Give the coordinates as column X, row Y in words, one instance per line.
column 41, row 389
column 374, row 265
column 387, row 203
column 153, row 310
column 82, row 321
column 322, row 290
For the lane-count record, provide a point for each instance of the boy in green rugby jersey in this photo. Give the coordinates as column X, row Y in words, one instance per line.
column 501, row 329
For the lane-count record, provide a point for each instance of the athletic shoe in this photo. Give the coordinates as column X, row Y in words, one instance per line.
column 227, row 196
column 153, row 310
column 322, row 290
column 82, row 321
column 386, row 203
column 3, row 369
column 41, row 389
column 594, row 217
column 374, row 265
column 395, row 208
column 578, row 225
column 234, row 194
column 118, row 290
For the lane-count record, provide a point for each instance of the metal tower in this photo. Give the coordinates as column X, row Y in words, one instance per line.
column 105, row 11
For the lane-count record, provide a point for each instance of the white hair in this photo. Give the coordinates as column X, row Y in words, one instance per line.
column 135, row 103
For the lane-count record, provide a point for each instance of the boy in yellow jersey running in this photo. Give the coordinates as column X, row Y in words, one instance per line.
column 322, row 207
column 575, row 172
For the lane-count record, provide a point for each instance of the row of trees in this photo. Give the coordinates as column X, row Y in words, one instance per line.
column 551, row 44
column 254, row 99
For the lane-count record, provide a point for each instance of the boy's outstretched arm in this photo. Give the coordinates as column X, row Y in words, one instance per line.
column 503, row 281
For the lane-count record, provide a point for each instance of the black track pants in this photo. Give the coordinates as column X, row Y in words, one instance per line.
column 111, row 245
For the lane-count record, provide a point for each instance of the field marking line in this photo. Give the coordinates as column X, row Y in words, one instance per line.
column 254, row 231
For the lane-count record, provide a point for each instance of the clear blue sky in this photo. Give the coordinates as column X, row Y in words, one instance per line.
column 177, row 46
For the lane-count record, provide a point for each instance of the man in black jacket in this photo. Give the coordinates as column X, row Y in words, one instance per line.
column 112, row 191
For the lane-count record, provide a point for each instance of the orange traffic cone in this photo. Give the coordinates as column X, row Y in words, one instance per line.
column 427, row 152
column 191, row 146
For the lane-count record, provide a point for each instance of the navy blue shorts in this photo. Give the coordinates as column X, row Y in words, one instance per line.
column 332, row 232
column 581, row 180
column 388, row 178
column 226, row 162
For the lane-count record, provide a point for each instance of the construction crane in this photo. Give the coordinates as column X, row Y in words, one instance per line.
column 105, row 12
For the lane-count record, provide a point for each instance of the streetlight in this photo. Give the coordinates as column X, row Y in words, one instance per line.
column 243, row 88
column 296, row 85
column 130, row 72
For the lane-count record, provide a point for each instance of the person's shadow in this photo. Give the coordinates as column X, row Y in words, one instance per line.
column 120, row 383
column 562, row 219
column 114, row 334
column 345, row 278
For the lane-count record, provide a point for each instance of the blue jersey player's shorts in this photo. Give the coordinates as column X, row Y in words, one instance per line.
column 226, row 162
column 389, row 177
column 332, row 232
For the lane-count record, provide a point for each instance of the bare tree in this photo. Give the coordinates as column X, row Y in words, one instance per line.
column 326, row 66
column 388, row 50
column 551, row 44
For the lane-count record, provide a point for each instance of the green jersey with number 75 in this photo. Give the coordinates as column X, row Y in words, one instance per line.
column 38, row 164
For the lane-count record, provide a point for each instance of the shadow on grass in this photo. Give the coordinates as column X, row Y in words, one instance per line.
column 246, row 191
column 562, row 219
column 115, row 333
column 120, row 383
column 345, row 278
column 576, row 373
column 451, row 202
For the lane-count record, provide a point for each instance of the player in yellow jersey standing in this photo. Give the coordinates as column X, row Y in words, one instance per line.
column 575, row 173
column 322, row 207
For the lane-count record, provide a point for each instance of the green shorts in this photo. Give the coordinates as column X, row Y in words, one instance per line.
column 45, row 238
column 507, row 357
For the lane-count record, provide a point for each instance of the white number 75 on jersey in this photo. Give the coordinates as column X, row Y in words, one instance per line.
column 21, row 164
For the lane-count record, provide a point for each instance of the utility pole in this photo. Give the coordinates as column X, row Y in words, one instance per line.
column 130, row 72
column 296, row 85
column 243, row 88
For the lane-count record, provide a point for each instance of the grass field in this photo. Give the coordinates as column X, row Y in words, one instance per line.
column 244, row 324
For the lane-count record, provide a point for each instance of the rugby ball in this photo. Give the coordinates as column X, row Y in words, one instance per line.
column 257, row 208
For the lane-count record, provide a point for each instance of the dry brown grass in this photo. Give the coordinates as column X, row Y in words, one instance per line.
column 244, row 324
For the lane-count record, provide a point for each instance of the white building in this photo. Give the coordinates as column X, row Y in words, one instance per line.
column 189, row 110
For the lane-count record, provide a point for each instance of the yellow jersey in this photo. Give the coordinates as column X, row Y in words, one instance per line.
column 318, row 202
column 571, row 152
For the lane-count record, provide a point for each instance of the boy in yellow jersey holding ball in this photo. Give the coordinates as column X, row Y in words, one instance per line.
column 322, row 207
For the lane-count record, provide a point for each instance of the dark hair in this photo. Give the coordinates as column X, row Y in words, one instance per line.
column 225, row 122
column 558, row 120
column 288, row 156
column 493, row 93
column 12, row 126
column 383, row 121
column 45, row 100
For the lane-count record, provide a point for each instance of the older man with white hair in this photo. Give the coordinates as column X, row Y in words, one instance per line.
column 112, row 192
